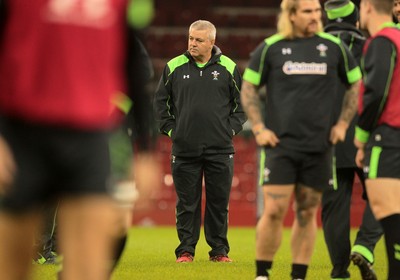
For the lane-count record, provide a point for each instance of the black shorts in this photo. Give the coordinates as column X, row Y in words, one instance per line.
column 280, row 166
column 380, row 162
column 53, row 162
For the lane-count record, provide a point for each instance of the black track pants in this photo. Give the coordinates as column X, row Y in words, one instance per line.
column 188, row 174
column 336, row 223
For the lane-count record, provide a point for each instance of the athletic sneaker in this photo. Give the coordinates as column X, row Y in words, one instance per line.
column 261, row 278
column 367, row 272
column 220, row 258
column 185, row 258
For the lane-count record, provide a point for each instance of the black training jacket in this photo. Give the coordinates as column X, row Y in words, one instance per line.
column 199, row 107
column 353, row 38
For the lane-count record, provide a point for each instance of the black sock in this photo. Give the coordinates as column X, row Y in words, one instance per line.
column 299, row 271
column 391, row 228
column 263, row 268
column 119, row 248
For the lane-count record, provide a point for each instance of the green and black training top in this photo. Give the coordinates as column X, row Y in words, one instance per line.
column 302, row 76
column 198, row 106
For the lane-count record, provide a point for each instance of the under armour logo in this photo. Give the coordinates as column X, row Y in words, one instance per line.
column 186, row 76
column 286, row 51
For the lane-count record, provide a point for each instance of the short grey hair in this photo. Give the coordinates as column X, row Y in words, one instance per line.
column 204, row 25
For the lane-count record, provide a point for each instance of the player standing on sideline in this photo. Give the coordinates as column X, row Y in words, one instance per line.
column 301, row 67
column 198, row 106
column 378, row 129
column 343, row 19
column 62, row 62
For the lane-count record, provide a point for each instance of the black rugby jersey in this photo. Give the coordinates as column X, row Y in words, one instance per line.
column 302, row 78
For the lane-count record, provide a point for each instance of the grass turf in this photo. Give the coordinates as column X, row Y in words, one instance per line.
column 150, row 255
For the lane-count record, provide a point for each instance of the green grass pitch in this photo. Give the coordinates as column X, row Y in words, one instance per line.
column 150, row 255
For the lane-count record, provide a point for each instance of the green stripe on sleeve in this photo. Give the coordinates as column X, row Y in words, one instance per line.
column 361, row 135
column 252, row 76
column 374, row 162
column 354, row 75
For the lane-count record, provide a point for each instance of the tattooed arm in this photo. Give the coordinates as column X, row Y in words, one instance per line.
column 251, row 105
column 349, row 108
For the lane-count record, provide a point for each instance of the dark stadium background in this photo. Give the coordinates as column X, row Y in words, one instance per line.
column 241, row 26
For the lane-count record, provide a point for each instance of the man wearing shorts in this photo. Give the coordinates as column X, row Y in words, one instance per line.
column 301, row 67
column 378, row 129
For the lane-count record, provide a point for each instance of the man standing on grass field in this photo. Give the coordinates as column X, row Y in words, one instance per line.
column 343, row 20
column 302, row 68
column 198, row 105
column 378, row 128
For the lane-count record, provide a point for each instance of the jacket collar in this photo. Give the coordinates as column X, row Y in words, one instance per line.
column 215, row 55
column 339, row 27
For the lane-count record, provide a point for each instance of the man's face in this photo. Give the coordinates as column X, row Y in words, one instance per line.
column 396, row 9
column 307, row 17
column 200, row 45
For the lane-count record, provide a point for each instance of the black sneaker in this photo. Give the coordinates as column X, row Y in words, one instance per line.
column 367, row 272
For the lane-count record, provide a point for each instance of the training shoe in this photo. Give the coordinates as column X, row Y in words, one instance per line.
column 367, row 272
column 220, row 258
column 185, row 258
column 261, row 278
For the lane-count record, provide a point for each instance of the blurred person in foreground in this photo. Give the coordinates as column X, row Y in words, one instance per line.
column 343, row 20
column 377, row 134
column 198, row 105
column 62, row 63
column 125, row 143
column 302, row 68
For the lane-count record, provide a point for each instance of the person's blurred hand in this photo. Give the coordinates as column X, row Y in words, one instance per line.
column 360, row 152
column 360, row 158
column 266, row 137
column 338, row 132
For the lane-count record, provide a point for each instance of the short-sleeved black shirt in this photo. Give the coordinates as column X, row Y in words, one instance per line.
column 301, row 77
